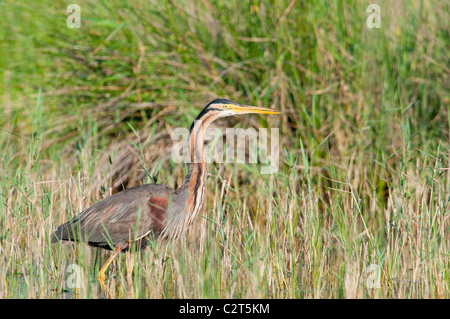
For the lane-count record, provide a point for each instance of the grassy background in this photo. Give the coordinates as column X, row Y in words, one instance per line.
column 364, row 173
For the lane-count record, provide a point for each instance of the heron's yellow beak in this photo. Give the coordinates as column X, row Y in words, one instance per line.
column 238, row 109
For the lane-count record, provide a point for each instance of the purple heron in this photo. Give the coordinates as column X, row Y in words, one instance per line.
column 136, row 215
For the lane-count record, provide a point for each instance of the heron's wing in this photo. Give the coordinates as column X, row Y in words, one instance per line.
column 125, row 216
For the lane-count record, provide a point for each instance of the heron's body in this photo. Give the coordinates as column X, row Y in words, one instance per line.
column 126, row 218
column 134, row 216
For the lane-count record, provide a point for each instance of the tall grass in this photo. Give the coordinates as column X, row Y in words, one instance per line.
column 358, row 209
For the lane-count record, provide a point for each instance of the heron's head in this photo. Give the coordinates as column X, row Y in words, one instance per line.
column 221, row 108
column 224, row 108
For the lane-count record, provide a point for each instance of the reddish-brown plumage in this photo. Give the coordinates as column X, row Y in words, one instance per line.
column 136, row 214
column 158, row 208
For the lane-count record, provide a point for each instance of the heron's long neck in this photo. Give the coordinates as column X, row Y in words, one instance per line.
column 196, row 179
column 189, row 197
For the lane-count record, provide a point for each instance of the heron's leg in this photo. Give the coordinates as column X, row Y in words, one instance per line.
column 101, row 275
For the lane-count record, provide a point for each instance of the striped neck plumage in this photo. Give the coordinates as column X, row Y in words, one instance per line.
column 189, row 197
column 196, row 180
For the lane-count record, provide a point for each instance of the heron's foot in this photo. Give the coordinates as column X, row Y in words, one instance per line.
column 101, row 277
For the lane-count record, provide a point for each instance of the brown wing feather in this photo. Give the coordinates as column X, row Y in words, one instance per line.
column 121, row 218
